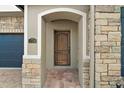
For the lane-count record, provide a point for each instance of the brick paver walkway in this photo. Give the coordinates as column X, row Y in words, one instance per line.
column 62, row 78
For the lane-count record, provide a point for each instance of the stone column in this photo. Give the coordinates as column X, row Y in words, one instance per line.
column 31, row 73
column 107, row 45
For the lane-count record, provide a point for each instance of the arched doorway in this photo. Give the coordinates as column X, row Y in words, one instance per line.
column 63, row 17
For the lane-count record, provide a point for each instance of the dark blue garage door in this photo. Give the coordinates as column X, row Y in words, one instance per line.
column 11, row 50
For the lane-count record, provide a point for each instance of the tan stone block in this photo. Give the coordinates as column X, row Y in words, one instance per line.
column 100, row 37
column 35, row 81
column 26, row 81
column 115, row 49
column 108, row 15
column 118, row 61
column 115, row 78
column 101, row 67
column 97, row 55
column 109, row 28
column 118, row 43
column 86, row 64
column 117, row 8
column 110, row 55
column 29, row 65
column 97, row 29
column 105, row 78
column 86, row 75
column 114, row 36
column 119, row 28
column 104, row 8
column 97, row 76
column 35, row 72
column 35, row 65
column 98, row 61
column 108, row 43
column 29, row 74
column 104, row 83
column 114, row 22
column 27, row 70
column 105, row 86
column 97, row 43
column 26, row 61
column 85, row 86
column 111, row 61
column 36, row 61
column 102, row 49
column 23, row 66
column 86, row 70
column 104, row 33
column 114, row 67
column 114, row 73
column 101, row 22
column 97, row 84
column 104, row 74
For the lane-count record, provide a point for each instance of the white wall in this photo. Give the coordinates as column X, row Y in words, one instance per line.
column 61, row 25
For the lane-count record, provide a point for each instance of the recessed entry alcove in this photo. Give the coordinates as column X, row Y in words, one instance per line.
column 63, row 47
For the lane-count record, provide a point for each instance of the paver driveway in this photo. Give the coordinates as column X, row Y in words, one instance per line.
column 10, row 78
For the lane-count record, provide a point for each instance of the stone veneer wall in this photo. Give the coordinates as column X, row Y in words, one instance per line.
column 86, row 63
column 107, row 45
column 31, row 73
column 11, row 24
column 85, row 70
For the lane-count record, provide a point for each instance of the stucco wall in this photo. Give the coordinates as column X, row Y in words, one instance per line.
column 33, row 12
column 61, row 25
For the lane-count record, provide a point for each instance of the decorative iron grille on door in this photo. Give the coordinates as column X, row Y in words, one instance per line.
column 61, row 48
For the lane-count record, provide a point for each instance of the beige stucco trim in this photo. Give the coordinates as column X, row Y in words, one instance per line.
column 26, row 56
column 92, row 48
column 84, row 29
column 31, row 57
column 25, row 30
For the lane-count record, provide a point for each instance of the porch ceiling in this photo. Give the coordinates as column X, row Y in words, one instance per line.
column 62, row 15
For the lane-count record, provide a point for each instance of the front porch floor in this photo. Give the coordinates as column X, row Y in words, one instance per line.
column 62, row 78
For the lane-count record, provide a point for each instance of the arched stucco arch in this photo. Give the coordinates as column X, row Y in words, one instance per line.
column 82, row 21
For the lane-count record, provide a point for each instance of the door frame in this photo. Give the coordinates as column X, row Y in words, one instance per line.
column 69, row 44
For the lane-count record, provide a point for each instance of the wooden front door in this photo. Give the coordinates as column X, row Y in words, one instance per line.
column 62, row 48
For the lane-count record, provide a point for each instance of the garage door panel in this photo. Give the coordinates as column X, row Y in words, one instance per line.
column 11, row 64
column 11, row 50
column 9, row 57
